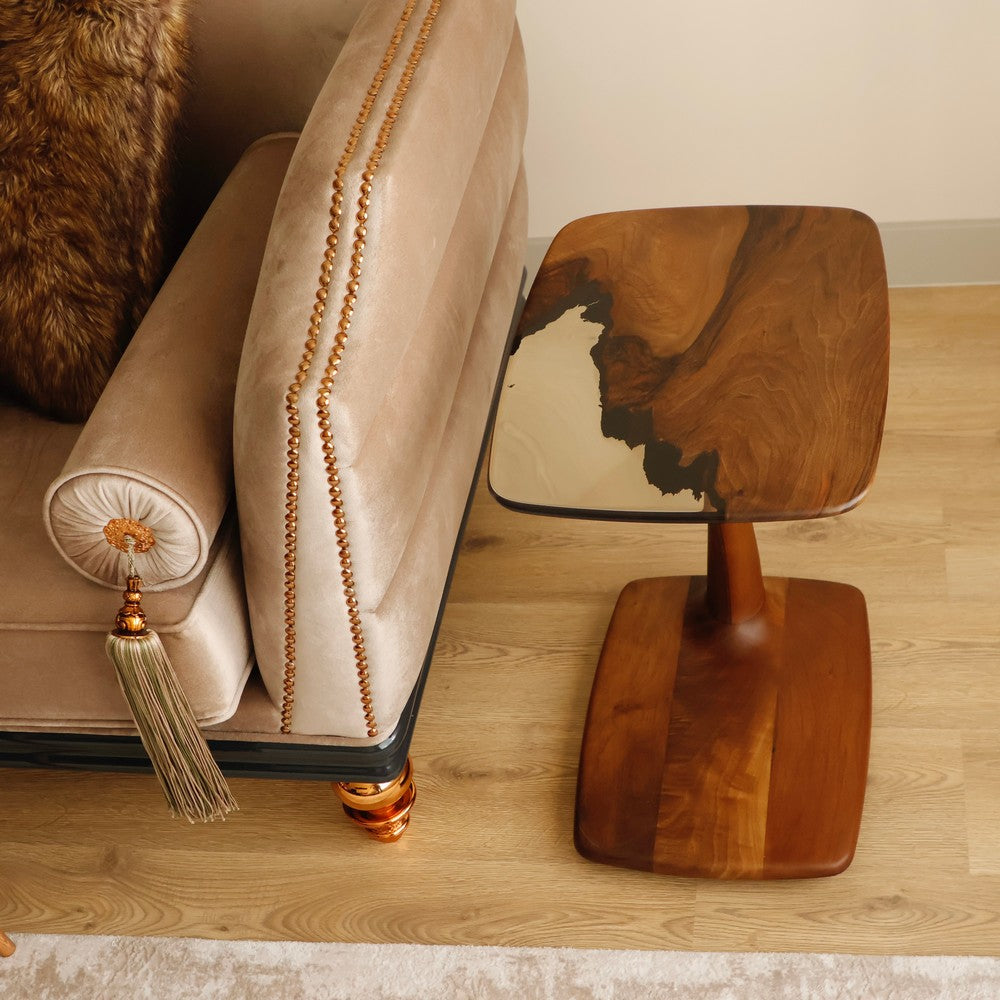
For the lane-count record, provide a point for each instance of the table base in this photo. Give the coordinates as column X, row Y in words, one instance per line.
column 728, row 750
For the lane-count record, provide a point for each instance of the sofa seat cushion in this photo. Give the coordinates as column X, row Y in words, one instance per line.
column 54, row 672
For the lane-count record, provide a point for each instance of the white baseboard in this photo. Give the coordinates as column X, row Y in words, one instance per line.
column 916, row 253
column 942, row 253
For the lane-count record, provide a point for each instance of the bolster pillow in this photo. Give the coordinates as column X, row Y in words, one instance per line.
column 155, row 458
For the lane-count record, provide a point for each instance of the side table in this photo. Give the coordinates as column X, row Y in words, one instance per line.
column 721, row 365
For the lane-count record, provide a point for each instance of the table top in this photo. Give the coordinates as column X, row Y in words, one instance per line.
column 698, row 364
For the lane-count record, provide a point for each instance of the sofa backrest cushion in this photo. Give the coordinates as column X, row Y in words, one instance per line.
column 329, row 484
column 256, row 68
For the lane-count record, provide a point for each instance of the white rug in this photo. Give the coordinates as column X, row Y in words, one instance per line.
column 49, row 967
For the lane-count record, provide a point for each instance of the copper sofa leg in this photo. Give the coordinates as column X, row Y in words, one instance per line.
column 382, row 809
column 7, row 947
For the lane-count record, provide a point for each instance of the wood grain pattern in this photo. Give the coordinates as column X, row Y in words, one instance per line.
column 752, row 763
column 626, row 749
column 713, row 812
column 745, row 349
column 503, row 715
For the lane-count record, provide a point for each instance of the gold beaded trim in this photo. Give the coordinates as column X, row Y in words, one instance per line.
column 292, row 398
column 119, row 529
column 336, row 354
column 326, row 383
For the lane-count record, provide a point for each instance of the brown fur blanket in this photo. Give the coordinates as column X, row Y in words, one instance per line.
column 90, row 94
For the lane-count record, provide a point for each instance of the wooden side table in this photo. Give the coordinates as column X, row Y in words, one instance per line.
column 723, row 365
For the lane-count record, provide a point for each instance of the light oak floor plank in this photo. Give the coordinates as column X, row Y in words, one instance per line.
column 489, row 858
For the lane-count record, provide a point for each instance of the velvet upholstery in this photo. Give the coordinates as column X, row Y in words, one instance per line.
column 400, row 625
column 439, row 199
column 443, row 260
column 406, row 420
column 256, row 68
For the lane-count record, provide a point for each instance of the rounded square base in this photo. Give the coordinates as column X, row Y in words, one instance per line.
column 728, row 751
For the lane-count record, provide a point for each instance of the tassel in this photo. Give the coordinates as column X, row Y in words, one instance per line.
column 192, row 782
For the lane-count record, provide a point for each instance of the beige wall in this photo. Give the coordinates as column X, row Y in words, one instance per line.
column 890, row 106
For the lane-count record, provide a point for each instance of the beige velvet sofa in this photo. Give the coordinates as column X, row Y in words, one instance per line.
column 300, row 629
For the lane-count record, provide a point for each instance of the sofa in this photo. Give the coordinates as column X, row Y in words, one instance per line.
column 297, row 431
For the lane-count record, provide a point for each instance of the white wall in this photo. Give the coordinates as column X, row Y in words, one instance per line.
column 889, row 106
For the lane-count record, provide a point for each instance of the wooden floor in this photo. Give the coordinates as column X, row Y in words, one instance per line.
column 489, row 858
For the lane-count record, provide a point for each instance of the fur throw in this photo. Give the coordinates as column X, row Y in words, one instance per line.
column 90, row 94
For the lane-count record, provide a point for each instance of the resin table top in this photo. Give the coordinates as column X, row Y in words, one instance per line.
column 704, row 364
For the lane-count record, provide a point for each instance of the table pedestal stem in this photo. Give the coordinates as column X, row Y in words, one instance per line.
column 735, row 588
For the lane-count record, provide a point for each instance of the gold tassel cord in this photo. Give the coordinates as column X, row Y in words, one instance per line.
column 194, row 786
